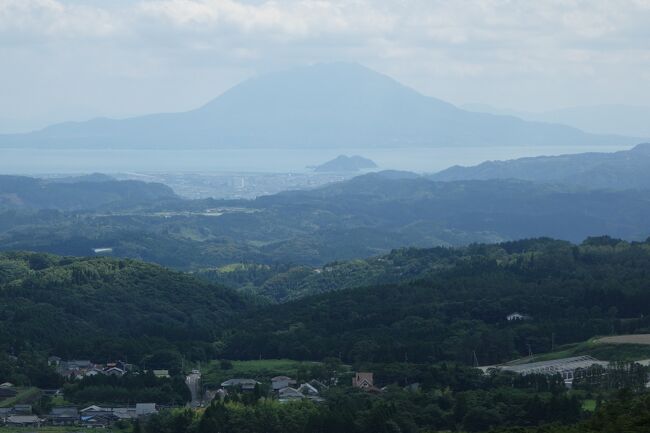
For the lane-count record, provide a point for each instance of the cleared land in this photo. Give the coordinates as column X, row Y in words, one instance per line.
column 259, row 370
column 25, row 395
column 625, row 339
column 613, row 348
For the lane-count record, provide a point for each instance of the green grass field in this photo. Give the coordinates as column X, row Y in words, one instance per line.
column 25, row 395
column 589, row 405
column 600, row 351
column 261, row 370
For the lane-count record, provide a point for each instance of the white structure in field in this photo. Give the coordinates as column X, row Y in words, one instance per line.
column 568, row 368
column 516, row 316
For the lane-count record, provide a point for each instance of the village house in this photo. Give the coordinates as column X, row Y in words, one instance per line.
column 23, row 421
column 90, row 373
column 145, row 409
column 114, row 371
column 363, row 380
column 76, row 364
column 17, row 410
column 22, row 409
column 320, row 386
column 289, row 394
column 308, row 390
column 74, row 369
column 243, row 384
column 279, row 382
column 304, row 391
column 78, row 369
column 66, row 415
column 516, row 316
column 98, row 416
column 124, row 413
column 98, row 420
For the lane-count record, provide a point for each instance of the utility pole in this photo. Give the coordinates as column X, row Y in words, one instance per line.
column 552, row 341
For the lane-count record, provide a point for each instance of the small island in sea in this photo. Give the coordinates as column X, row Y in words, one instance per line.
column 344, row 163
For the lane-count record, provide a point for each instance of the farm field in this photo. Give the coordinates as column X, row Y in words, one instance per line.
column 25, row 395
column 612, row 348
column 219, row 371
column 643, row 339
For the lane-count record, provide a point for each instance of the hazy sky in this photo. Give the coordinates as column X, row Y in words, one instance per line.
column 73, row 59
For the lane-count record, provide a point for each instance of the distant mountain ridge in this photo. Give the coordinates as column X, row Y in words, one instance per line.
column 617, row 170
column 93, row 192
column 365, row 216
column 620, row 119
column 338, row 105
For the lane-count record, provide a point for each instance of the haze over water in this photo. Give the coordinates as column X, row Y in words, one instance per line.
column 39, row 161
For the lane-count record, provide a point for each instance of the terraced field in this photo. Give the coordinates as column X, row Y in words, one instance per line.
column 643, row 339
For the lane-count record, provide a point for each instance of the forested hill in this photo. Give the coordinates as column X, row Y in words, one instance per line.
column 104, row 308
column 81, row 193
column 618, row 170
column 421, row 212
column 366, row 216
column 424, row 305
column 432, row 305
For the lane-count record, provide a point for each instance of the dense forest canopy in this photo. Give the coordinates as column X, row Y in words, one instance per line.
column 447, row 304
column 419, row 304
column 103, row 308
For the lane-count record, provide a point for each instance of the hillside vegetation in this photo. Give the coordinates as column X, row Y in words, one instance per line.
column 103, row 308
column 366, row 216
column 618, row 170
column 84, row 193
column 439, row 304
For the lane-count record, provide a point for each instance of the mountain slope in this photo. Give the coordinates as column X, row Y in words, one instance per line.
column 627, row 120
column 618, row 170
column 328, row 105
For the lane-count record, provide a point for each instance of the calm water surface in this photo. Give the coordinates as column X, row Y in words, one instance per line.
column 39, row 161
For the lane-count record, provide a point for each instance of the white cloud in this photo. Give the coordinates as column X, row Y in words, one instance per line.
column 51, row 18
column 460, row 50
column 299, row 19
